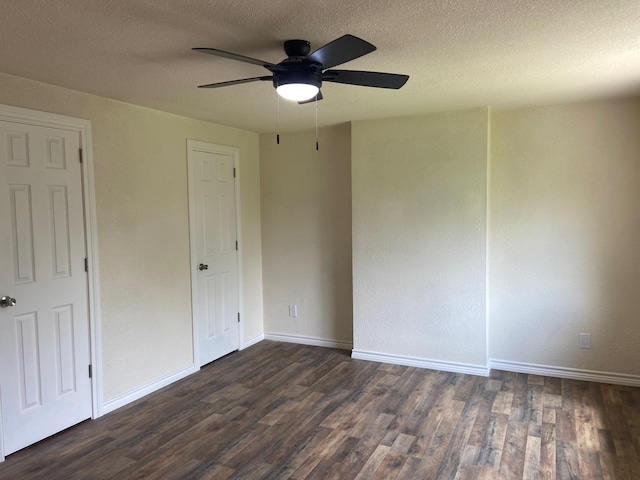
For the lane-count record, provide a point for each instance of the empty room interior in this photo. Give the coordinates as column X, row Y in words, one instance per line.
column 438, row 279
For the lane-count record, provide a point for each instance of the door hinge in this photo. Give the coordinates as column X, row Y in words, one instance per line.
column 90, row 372
column 80, row 151
column 86, row 264
column 234, row 172
column 238, row 317
column 236, row 244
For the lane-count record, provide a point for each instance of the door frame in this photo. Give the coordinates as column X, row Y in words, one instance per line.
column 83, row 128
column 195, row 145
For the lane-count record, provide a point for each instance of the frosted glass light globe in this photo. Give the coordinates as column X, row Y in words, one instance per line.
column 297, row 92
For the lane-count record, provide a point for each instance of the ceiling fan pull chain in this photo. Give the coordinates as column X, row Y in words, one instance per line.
column 317, row 122
column 278, row 122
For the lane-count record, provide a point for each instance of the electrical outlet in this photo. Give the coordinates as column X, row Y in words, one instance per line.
column 293, row 310
column 585, row 340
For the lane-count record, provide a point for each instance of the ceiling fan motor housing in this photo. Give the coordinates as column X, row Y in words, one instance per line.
column 296, row 72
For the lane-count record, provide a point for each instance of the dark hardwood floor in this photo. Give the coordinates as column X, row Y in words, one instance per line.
column 285, row 411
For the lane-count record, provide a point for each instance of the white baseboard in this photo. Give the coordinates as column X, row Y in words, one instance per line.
column 564, row 372
column 303, row 340
column 445, row 366
column 252, row 341
column 133, row 395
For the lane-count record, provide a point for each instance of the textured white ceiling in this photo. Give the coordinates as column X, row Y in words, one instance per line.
column 458, row 53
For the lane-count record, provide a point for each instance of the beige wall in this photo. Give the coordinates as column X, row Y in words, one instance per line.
column 563, row 229
column 143, row 235
column 565, row 235
column 419, row 238
column 306, row 233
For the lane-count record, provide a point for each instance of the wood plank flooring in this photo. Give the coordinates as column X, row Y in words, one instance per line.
column 285, row 411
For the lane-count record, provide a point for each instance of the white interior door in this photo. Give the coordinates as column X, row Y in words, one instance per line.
column 44, row 338
column 214, row 254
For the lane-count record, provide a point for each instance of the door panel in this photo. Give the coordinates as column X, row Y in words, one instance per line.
column 21, row 230
column 44, row 338
column 65, row 349
column 30, row 387
column 213, row 229
column 59, row 219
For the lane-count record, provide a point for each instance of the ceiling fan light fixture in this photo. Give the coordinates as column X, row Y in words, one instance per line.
column 298, row 84
column 297, row 92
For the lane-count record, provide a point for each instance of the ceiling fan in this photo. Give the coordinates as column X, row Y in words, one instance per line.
column 299, row 77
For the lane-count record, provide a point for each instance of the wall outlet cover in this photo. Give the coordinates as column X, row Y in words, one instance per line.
column 585, row 340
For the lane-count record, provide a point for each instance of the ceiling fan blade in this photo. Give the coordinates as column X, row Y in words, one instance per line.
column 312, row 100
column 366, row 79
column 236, row 82
column 341, row 50
column 240, row 58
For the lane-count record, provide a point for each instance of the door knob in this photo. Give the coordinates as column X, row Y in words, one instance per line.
column 202, row 266
column 7, row 301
